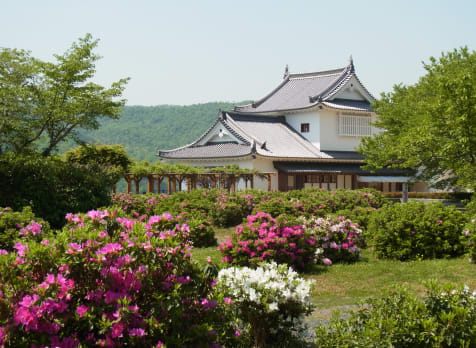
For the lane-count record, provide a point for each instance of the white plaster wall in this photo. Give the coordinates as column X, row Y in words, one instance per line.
column 330, row 140
column 212, row 136
column 265, row 165
column 312, row 117
column 352, row 90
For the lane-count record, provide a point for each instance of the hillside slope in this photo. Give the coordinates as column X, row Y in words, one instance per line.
column 144, row 129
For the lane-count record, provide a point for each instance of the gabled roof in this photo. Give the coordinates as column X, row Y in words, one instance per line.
column 267, row 136
column 303, row 91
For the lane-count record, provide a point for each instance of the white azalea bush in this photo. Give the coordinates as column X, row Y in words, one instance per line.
column 272, row 300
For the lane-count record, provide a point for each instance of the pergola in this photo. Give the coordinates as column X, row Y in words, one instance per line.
column 193, row 180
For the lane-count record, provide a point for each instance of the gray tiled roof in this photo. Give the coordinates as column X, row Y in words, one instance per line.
column 338, row 168
column 273, row 136
column 347, row 155
column 301, row 91
column 217, row 150
column 268, row 136
column 345, row 104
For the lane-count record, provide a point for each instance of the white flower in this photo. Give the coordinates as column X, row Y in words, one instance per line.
column 273, row 307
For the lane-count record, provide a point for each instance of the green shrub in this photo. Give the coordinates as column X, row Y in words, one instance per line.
column 51, row 186
column 445, row 317
column 417, row 231
column 470, row 234
column 14, row 224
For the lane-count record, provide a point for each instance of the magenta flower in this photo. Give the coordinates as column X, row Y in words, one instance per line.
column 117, row 329
column 137, row 332
column 29, row 301
column 81, row 310
column 327, row 261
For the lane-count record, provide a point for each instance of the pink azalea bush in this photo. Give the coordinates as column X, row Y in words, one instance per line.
column 339, row 238
column 12, row 222
column 264, row 238
column 108, row 281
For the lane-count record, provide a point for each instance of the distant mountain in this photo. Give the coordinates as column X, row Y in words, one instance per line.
column 144, row 129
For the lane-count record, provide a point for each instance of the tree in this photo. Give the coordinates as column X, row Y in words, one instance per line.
column 110, row 161
column 430, row 125
column 49, row 102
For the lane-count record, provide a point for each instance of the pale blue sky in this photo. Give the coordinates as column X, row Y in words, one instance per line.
column 186, row 52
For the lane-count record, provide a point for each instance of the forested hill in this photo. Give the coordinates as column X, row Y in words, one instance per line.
column 143, row 129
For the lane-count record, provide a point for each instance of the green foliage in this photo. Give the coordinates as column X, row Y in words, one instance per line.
column 430, row 125
column 104, row 160
column 445, row 317
column 356, row 205
column 12, row 222
column 48, row 102
column 144, row 129
column 470, row 234
column 416, row 230
column 51, row 186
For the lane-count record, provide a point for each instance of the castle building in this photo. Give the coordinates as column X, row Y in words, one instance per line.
column 305, row 131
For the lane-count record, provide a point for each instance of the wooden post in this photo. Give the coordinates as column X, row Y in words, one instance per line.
column 245, row 178
column 269, row 182
column 137, row 186
column 129, row 185
column 189, row 184
column 169, row 186
column 150, row 185
column 174, row 185
column 214, row 181
column 252, row 181
column 233, row 187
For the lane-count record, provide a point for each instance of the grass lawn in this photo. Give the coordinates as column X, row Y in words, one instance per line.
column 345, row 285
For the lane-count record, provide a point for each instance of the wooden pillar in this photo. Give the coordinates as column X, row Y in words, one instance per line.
column 169, row 186
column 174, row 185
column 129, row 185
column 150, row 185
column 269, row 182
column 245, row 178
column 114, row 188
column 252, row 182
column 233, row 183
column 159, row 181
column 189, row 184
column 214, row 181
column 137, row 186
column 354, row 182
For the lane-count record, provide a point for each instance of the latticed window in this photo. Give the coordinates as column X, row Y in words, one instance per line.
column 352, row 125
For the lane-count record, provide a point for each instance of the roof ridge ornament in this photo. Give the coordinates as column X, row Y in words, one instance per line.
column 286, row 72
column 351, row 64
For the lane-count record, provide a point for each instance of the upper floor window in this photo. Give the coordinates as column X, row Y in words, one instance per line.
column 352, row 125
column 304, row 127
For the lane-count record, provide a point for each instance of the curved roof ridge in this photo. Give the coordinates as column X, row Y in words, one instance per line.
column 232, row 123
column 317, row 73
column 266, row 97
column 345, row 75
